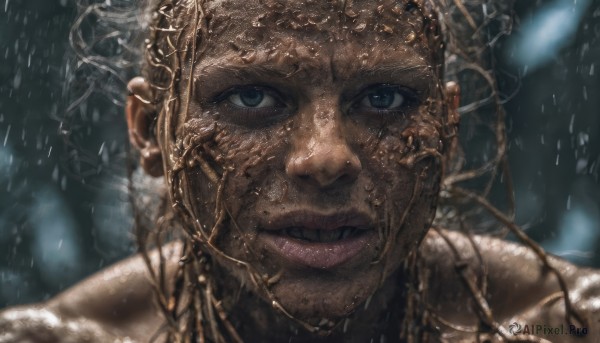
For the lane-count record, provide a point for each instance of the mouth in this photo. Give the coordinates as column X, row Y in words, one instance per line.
column 320, row 235
column 322, row 241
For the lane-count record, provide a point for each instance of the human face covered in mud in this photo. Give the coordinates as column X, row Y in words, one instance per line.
column 303, row 143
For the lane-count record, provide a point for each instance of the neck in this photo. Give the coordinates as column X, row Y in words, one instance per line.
column 256, row 320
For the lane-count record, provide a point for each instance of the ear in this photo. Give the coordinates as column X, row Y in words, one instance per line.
column 140, row 113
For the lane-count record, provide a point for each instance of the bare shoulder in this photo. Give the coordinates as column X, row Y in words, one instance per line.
column 113, row 305
column 515, row 284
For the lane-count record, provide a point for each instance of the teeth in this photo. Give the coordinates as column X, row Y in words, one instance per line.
column 347, row 232
column 323, row 236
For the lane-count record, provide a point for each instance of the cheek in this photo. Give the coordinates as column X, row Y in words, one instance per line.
column 402, row 146
column 391, row 155
column 244, row 159
column 404, row 160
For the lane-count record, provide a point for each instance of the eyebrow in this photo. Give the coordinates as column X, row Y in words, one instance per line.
column 270, row 71
column 247, row 71
column 391, row 68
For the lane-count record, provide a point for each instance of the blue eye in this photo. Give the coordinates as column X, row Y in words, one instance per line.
column 384, row 98
column 252, row 98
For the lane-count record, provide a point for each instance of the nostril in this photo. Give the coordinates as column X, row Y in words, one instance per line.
column 304, row 177
column 344, row 179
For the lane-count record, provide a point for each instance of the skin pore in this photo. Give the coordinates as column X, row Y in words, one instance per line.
column 303, row 146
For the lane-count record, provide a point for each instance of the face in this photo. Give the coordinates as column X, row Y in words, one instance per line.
column 307, row 146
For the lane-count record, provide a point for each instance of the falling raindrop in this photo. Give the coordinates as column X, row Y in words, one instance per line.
column 17, row 79
column 571, row 123
column 6, row 135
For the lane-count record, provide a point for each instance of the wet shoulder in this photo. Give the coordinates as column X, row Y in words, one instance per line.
column 39, row 324
column 113, row 305
column 511, row 281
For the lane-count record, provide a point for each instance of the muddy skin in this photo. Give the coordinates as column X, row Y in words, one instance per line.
column 318, row 146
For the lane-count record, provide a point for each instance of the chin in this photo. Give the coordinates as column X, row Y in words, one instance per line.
column 317, row 297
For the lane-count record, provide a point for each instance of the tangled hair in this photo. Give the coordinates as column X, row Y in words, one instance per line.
column 110, row 39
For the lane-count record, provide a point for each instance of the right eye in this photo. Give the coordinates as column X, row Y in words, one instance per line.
column 252, row 98
column 252, row 105
column 383, row 98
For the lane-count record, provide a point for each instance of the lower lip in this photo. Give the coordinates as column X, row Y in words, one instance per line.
column 317, row 255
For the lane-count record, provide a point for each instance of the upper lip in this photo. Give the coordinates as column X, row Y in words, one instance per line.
column 314, row 220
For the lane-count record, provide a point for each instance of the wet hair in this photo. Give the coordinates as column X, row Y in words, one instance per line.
column 118, row 39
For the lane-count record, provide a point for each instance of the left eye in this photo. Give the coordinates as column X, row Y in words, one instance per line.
column 252, row 98
column 384, row 98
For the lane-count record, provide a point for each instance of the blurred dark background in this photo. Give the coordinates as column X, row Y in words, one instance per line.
column 64, row 212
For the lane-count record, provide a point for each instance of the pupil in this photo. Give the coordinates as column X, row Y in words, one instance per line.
column 252, row 97
column 382, row 98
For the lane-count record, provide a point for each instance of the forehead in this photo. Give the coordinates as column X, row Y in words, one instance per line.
column 319, row 26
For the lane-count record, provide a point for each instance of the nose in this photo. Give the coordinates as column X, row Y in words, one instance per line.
column 322, row 156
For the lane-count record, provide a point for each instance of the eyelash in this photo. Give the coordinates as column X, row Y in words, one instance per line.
column 411, row 99
column 248, row 114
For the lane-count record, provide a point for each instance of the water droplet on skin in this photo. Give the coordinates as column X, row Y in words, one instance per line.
column 349, row 12
column 257, row 21
column 360, row 27
column 387, row 29
column 410, row 37
column 248, row 56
